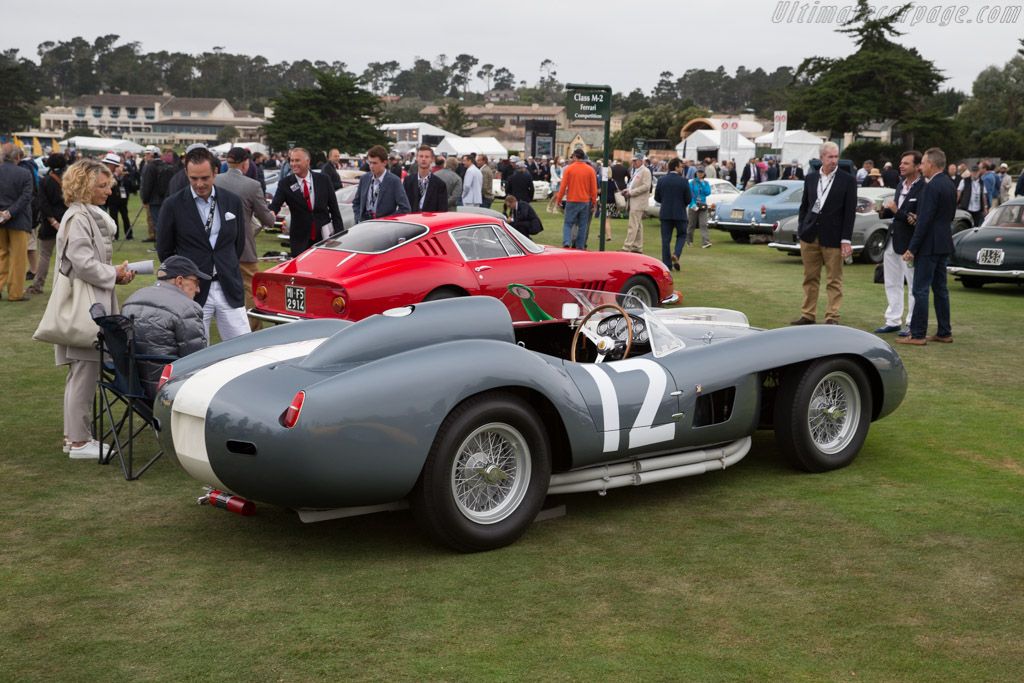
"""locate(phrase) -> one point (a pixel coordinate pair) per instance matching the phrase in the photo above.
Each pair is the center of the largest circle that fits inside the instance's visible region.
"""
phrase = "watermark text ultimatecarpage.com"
(787, 12)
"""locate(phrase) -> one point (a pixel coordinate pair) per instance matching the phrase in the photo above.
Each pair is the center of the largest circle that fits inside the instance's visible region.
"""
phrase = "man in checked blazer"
(302, 190)
(827, 212)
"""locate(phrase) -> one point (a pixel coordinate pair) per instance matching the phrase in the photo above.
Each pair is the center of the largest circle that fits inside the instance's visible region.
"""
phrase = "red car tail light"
(164, 376)
(764, 209)
(261, 293)
(291, 415)
(775, 226)
(339, 304)
(712, 208)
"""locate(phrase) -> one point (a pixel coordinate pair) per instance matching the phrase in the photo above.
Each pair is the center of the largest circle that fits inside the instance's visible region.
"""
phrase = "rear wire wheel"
(486, 475)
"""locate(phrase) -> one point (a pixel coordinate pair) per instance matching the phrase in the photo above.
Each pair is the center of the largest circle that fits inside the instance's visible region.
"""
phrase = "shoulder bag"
(67, 320)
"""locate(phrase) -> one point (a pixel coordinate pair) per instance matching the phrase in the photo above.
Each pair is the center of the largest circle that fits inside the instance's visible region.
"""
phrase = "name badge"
(295, 187)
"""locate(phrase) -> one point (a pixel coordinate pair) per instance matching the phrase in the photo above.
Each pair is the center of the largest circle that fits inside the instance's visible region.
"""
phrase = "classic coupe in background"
(471, 411)
(399, 260)
(756, 211)
(869, 232)
(993, 252)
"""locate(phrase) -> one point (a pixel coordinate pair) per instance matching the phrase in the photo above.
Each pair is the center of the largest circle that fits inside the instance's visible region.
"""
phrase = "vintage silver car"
(473, 410)
(869, 231)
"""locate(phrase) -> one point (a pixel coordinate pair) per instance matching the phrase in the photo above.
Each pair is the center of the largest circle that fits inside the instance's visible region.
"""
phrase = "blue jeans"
(930, 271)
(666, 238)
(154, 213)
(578, 214)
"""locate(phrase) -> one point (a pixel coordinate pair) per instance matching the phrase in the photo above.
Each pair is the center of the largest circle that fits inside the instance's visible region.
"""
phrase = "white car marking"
(188, 414)
(642, 433)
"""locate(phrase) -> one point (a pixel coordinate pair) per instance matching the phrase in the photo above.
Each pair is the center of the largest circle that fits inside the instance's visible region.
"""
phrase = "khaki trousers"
(635, 234)
(250, 268)
(43, 264)
(13, 261)
(149, 223)
(814, 256)
(79, 390)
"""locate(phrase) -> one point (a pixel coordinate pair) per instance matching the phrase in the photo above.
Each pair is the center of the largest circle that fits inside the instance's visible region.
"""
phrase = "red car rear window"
(375, 237)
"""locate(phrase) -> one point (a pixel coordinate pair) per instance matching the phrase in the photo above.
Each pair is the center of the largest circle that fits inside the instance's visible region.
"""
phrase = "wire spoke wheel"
(834, 412)
(490, 473)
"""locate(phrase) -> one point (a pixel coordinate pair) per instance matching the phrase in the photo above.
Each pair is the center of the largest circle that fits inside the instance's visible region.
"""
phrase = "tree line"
(881, 80)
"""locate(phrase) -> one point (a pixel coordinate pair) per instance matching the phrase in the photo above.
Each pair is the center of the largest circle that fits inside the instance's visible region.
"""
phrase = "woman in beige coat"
(88, 233)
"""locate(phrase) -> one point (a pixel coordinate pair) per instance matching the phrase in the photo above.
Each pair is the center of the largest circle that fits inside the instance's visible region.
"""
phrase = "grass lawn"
(907, 565)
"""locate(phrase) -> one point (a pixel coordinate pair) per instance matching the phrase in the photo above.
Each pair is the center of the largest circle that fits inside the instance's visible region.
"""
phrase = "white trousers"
(231, 322)
(896, 273)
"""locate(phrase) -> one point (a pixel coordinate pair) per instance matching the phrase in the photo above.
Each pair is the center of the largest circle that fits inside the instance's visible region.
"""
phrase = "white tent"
(253, 147)
(798, 144)
(82, 142)
(706, 143)
(453, 144)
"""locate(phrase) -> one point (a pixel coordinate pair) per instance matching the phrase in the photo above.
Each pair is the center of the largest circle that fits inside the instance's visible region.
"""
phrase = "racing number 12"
(643, 431)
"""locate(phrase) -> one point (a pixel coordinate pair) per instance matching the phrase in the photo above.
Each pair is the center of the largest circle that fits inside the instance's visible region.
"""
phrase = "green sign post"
(593, 103)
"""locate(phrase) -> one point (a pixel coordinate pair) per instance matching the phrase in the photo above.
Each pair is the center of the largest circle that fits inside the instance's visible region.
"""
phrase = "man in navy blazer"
(827, 212)
(435, 198)
(930, 248)
(903, 211)
(380, 193)
(302, 190)
(205, 224)
(673, 193)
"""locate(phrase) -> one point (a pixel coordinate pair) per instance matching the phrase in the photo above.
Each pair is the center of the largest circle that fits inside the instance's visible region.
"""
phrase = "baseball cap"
(197, 145)
(173, 266)
(238, 154)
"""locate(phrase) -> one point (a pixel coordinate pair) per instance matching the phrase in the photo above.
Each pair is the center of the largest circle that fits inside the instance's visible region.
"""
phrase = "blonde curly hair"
(80, 179)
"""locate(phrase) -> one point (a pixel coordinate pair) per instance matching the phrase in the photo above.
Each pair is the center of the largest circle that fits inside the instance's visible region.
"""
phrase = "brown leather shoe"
(831, 322)
(941, 340)
(912, 341)
(802, 321)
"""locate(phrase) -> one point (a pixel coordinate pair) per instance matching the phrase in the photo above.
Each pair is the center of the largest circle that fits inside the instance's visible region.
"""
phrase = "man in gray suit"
(16, 186)
(253, 204)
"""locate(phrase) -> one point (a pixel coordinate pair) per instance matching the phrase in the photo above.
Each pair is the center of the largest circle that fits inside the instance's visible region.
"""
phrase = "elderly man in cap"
(637, 191)
(167, 320)
(254, 204)
(793, 171)
(1005, 183)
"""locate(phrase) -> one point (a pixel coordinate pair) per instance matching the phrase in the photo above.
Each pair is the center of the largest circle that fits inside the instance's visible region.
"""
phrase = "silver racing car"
(472, 410)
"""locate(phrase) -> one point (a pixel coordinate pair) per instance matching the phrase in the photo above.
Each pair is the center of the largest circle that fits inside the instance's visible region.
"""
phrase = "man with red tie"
(312, 202)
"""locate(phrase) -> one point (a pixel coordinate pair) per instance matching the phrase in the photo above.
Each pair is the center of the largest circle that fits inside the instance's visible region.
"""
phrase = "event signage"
(729, 141)
(588, 105)
(779, 132)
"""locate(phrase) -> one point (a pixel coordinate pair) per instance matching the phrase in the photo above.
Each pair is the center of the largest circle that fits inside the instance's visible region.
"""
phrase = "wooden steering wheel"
(599, 341)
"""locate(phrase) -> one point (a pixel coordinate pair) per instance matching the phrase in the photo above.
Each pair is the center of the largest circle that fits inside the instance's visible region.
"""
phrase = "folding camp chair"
(119, 385)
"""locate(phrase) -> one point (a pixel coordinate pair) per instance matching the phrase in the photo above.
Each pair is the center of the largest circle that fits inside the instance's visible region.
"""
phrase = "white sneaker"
(67, 445)
(90, 450)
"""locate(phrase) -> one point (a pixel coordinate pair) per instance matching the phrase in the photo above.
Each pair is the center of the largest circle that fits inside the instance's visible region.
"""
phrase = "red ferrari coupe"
(401, 260)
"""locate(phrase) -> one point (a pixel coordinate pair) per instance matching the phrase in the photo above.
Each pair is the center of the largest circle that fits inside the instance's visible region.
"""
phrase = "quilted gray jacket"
(167, 323)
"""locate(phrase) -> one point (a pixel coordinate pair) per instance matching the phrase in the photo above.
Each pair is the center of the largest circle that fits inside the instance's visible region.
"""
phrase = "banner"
(779, 132)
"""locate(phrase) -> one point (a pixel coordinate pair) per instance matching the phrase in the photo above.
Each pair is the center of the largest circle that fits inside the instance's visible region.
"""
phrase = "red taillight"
(164, 376)
(764, 209)
(261, 293)
(291, 416)
(775, 226)
(712, 208)
(339, 304)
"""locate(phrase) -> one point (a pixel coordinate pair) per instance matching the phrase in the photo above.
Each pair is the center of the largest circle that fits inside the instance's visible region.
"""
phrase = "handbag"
(879, 274)
(67, 320)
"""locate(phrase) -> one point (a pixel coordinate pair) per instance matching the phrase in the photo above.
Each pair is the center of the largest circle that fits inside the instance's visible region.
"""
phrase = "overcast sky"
(649, 36)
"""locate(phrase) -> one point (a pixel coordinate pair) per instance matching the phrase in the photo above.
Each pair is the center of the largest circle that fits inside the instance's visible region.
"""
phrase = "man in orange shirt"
(579, 188)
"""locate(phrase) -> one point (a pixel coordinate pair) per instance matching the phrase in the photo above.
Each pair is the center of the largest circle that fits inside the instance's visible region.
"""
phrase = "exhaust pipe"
(638, 472)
